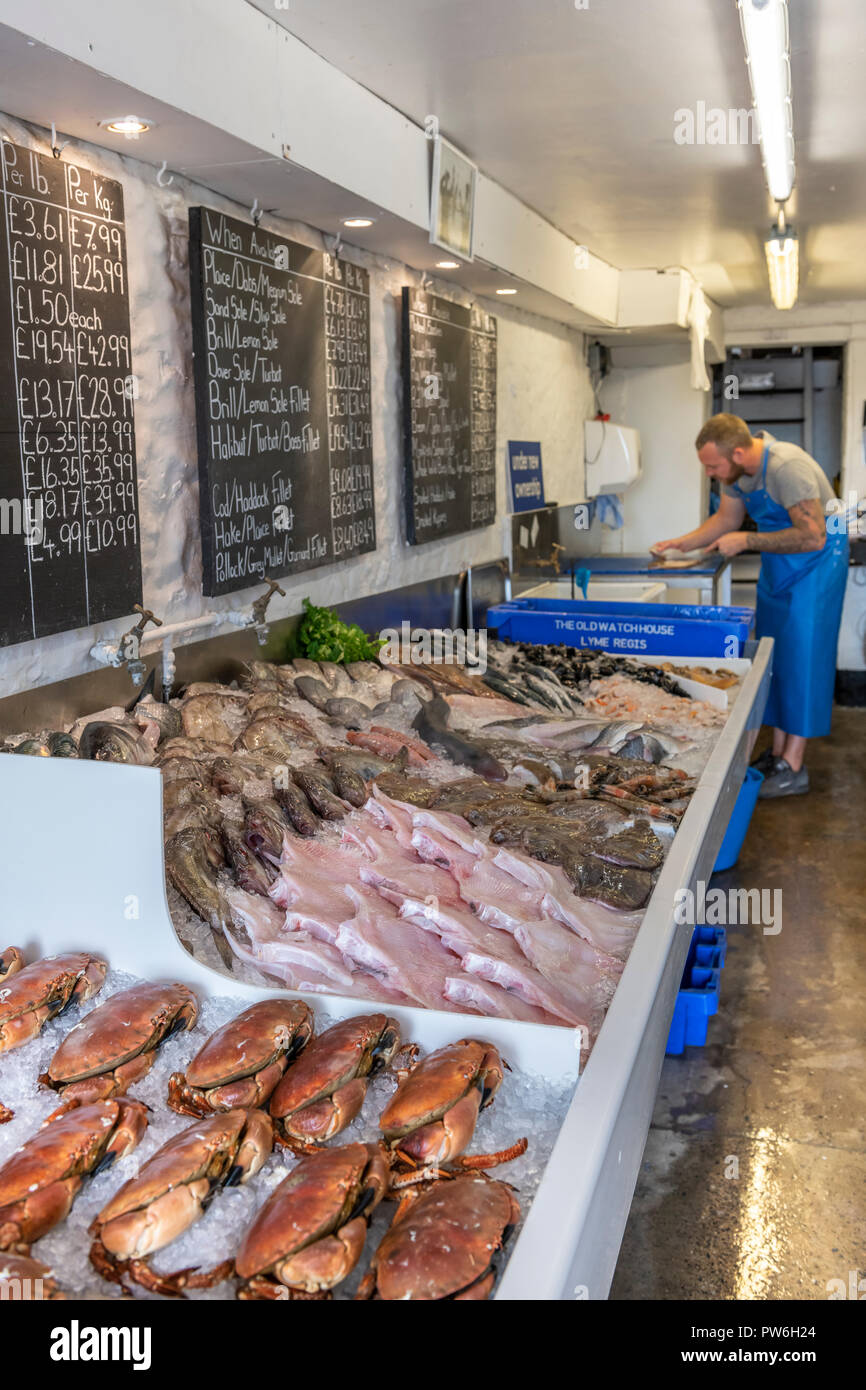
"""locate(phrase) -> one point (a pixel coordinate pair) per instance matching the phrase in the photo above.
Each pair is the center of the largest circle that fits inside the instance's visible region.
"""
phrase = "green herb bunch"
(323, 636)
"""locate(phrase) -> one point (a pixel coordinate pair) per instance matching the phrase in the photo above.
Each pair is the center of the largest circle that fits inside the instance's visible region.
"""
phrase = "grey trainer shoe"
(765, 763)
(782, 780)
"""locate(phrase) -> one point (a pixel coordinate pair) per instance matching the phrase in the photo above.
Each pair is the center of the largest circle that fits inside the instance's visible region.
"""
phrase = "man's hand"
(731, 544)
(659, 546)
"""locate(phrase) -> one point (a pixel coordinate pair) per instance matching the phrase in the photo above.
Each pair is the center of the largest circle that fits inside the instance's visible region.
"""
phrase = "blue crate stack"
(698, 998)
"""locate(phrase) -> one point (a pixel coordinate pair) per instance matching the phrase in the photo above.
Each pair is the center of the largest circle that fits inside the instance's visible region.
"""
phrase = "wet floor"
(753, 1182)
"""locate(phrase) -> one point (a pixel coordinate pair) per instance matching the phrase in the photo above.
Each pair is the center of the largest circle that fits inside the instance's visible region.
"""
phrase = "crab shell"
(310, 1233)
(442, 1245)
(28, 1280)
(324, 1090)
(32, 995)
(115, 1045)
(241, 1063)
(171, 1190)
(39, 1183)
(432, 1114)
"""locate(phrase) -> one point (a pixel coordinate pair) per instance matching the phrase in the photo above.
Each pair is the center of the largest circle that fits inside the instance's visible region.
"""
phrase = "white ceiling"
(573, 111)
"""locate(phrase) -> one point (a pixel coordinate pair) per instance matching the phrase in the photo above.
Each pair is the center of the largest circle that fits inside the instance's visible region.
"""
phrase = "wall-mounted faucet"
(126, 651)
(256, 617)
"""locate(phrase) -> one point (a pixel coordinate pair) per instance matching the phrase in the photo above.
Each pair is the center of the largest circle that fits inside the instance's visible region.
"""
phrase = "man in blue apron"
(802, 583)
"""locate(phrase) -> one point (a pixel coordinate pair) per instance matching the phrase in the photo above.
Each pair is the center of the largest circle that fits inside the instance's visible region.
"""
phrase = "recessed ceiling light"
(448, 265)
(130, 126)
(506, 291)
(357, 221)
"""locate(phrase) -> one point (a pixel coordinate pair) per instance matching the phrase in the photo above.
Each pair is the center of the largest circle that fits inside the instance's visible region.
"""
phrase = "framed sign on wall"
(452, 200)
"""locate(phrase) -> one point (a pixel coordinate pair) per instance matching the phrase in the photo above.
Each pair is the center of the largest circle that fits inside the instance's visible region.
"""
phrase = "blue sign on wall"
(527, 479)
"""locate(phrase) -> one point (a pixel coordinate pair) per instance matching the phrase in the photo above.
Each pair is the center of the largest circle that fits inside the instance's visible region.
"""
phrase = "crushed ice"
(526, 1104)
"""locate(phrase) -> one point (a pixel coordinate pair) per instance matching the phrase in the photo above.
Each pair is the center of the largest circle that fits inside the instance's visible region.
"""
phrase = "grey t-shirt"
(792, 475)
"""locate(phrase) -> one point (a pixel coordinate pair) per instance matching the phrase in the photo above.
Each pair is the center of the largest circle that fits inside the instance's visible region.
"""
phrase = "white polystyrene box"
(612, 454)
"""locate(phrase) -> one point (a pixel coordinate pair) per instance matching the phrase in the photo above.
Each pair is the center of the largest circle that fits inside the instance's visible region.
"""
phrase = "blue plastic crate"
(738, 825)
(636, 629)
(698, 998)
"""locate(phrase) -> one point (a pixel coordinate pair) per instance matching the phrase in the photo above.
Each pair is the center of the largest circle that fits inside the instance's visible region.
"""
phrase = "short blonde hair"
(727, 432)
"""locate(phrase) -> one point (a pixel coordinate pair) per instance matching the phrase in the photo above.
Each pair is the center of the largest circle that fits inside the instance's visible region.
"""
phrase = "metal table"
(711, 577)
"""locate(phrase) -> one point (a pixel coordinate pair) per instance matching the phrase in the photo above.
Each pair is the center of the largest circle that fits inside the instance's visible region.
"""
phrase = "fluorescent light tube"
(783, 267)
(765, 34)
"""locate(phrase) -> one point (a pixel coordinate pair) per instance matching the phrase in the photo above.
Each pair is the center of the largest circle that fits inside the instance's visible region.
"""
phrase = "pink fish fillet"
(393, 815)
(610, 931)
(393, 870)
(311, 896)
(498, 898)
(334, 860)
(451, 827)
(485, 998)
(494, 955)
(570, 965)
(295, 957)
(433, 848)
(407, 957)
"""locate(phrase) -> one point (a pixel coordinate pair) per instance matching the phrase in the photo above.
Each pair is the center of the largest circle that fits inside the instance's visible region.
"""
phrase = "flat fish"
(302, 666)
(348, 711)
(314, 690)
(209, 717)
(278, 737)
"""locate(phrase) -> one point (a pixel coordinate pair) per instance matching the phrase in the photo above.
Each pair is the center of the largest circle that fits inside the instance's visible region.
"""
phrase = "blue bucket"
(739, 822)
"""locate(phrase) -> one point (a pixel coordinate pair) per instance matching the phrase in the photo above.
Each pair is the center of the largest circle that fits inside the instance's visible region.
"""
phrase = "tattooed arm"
(807, 532)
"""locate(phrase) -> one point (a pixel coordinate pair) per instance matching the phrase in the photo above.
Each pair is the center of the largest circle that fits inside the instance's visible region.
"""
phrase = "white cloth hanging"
(698, 320)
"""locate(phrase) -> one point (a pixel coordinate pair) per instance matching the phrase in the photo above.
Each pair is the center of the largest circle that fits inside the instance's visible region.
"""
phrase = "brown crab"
(31, 995)
(443, 1241)
(40, 992)
(116, 1044)
(431, 1117)
(310, 1233)
(324, 1090)
(169, 1194)
(39, 1183)
(11, 961)
(27, 1280)
(241, 1063)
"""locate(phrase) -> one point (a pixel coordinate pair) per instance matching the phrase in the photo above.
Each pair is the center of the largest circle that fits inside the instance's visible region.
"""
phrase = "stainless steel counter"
(570, 1242)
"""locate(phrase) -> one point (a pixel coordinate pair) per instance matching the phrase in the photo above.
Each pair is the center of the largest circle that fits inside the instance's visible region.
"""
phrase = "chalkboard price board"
(281, 336)
(449, 416)
(69, 530)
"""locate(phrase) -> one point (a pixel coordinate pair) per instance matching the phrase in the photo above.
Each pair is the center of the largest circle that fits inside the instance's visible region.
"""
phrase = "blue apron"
(799, 605)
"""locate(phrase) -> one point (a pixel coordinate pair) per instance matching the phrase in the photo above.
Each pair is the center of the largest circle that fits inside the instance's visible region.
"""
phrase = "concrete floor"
(753, 1182)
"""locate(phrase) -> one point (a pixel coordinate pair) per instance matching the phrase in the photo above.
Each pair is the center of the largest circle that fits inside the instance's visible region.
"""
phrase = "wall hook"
(426, 280)
(160, 176)
(338, 242)
(56, 149)
(256, 212)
